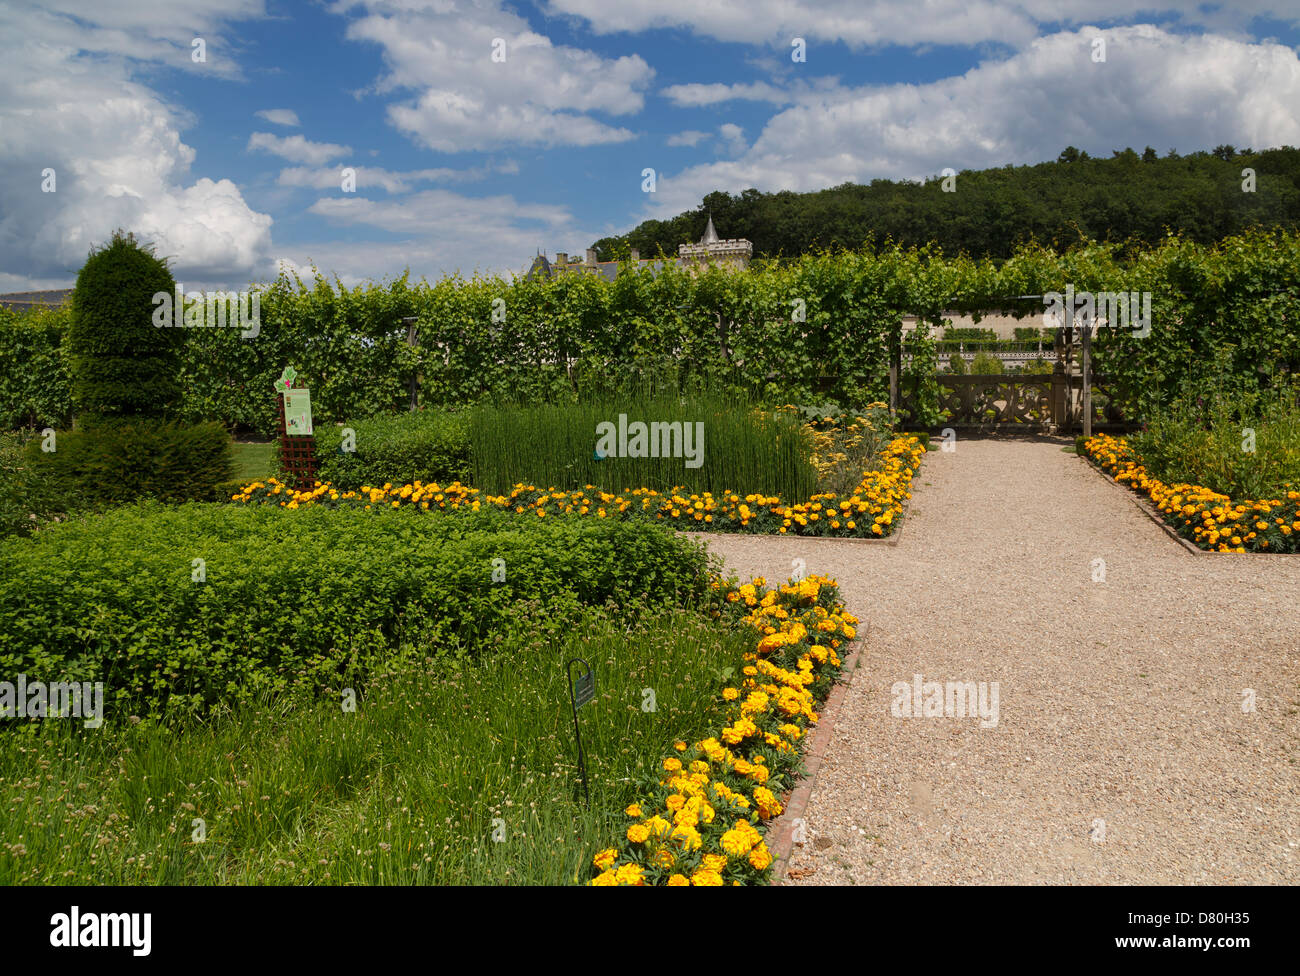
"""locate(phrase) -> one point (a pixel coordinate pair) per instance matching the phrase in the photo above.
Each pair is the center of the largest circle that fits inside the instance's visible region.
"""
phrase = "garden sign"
(297, 442)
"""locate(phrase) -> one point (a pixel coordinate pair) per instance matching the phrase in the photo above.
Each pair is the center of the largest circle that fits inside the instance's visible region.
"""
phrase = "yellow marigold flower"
(706, 879)
(638, 833)
(672, 764)
(634, 810)
(631, 874)
(760, 857)
(606, 879)
(605, 858)
(678, 881)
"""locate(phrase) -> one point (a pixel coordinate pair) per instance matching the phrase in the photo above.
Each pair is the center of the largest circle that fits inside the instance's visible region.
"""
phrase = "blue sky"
(233, 165)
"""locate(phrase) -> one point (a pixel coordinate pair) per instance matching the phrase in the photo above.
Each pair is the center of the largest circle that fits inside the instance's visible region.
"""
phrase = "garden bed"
(703, 820)
(1210, 521)
(870, 510)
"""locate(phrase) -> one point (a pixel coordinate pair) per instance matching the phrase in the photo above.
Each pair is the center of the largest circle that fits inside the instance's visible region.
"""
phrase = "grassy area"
(254, 461)
(410, 788)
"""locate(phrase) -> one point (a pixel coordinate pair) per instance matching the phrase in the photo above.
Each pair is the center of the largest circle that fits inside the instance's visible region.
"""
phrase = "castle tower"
(733, 252)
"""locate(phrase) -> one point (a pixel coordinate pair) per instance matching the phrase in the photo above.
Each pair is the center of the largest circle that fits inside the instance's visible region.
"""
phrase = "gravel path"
(1122, 753)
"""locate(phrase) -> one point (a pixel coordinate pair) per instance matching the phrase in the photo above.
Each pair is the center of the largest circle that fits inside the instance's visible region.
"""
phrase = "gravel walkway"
(1122, 753)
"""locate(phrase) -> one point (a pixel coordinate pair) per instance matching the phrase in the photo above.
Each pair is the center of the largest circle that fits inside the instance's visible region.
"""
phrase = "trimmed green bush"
(122, 365)
(427, 445)
(289, 598)
(112, 463)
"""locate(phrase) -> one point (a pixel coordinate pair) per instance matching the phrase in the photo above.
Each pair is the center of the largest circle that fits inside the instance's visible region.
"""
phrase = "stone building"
(710, 249)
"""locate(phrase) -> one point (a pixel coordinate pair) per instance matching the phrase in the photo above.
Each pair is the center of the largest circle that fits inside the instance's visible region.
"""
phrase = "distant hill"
(1129, 195)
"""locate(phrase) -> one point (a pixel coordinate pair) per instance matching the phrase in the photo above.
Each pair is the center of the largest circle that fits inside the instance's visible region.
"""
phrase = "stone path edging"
(1144, 504)
(780, 833)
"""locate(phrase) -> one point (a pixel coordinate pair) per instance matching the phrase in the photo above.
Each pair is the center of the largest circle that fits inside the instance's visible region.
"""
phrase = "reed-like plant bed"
(700, 444)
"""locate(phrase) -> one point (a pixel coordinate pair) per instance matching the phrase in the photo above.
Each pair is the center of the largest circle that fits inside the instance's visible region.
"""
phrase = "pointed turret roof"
(710, 235)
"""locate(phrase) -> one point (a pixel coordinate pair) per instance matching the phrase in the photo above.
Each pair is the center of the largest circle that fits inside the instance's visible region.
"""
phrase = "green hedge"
(35, 389)
(427, 445)
(294, 597)
(27, 500)
(123, 461)
(815, 328)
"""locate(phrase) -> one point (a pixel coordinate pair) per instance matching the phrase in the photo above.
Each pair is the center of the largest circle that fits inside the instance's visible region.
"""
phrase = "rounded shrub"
(122, 365)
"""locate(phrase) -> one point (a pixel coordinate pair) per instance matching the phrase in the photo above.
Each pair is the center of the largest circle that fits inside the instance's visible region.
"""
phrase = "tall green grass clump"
(742, 448)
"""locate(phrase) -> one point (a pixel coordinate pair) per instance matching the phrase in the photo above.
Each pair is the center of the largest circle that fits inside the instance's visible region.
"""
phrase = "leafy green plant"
(431, 446)
(27, 500)
(407, 789)
(186, 607)
(1224, 435)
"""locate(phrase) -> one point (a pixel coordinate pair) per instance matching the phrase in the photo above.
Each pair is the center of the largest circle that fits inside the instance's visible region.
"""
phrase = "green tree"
(122, 365)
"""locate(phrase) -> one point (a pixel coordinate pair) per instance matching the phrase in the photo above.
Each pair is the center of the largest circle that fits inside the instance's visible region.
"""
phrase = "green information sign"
(297, 412)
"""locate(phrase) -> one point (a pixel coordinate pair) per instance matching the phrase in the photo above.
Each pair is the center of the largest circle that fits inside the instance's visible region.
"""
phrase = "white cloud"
(883, 22)
(330, 177)
(445, 233)
(695, 95)
(68, 103)
(279, 116)
(297, 149)
(691, 137)
(1155, 88)
(541, 94)
(733, 138)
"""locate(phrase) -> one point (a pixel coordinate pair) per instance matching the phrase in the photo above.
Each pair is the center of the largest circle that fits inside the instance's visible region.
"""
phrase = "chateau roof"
(29, 299)
(710, 235)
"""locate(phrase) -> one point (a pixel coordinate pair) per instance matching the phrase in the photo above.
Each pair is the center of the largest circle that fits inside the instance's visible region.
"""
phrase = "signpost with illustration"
(297, 442)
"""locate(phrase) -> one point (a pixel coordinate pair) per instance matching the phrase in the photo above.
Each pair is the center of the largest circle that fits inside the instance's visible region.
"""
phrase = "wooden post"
(410, 341)
(1086, 363)
(895, 368)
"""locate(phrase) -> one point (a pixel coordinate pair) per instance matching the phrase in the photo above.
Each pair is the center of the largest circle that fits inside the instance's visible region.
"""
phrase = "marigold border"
(797, 801)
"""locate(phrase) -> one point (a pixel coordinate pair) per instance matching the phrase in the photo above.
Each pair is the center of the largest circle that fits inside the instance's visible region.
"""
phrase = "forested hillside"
(992, 210)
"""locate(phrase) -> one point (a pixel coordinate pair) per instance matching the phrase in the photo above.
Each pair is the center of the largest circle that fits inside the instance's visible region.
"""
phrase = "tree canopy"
(1077, 196)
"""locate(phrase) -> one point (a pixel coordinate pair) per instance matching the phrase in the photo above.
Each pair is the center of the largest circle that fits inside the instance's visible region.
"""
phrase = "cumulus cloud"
(279, 116)
(1155, 88)
(367, 177)
(733, 138)
(481, 78)
(696, 95)
(68, 103)
(297, 149)
(883, 22)
(444, 232)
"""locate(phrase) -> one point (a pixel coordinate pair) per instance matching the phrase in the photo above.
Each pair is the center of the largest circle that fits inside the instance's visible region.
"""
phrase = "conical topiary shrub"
(122, 365)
